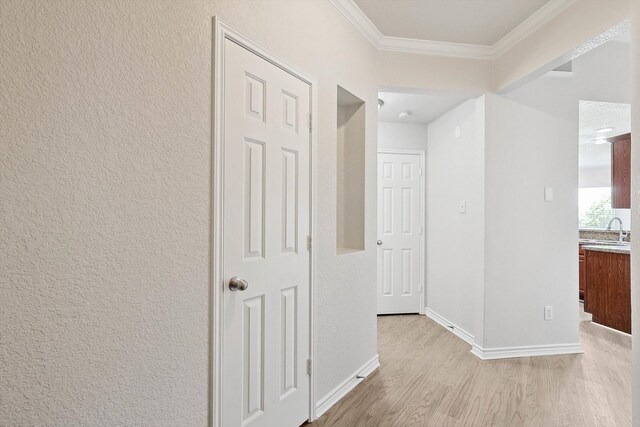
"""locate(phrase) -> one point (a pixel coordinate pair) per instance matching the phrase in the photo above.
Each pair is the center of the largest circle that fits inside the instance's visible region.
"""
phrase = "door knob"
(238, 284)
(379, 242)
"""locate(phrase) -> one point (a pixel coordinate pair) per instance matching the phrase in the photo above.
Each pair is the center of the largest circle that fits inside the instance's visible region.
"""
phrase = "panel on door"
(399, 233)
(266, 224)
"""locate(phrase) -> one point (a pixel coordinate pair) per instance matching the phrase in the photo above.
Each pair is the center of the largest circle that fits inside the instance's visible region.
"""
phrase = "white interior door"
(266, 224)
(399, 233)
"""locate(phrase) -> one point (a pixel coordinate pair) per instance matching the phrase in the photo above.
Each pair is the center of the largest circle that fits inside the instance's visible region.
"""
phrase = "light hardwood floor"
(428, 377)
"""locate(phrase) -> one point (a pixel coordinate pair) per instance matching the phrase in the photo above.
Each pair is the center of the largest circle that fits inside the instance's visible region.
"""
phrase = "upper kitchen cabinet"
(621, 171)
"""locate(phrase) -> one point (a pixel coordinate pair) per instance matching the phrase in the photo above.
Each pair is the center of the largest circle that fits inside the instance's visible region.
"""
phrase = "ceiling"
(478, 22)
(424, 107)
(597, 115)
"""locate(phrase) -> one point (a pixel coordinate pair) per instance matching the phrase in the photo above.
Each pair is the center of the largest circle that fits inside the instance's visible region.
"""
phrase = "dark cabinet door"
(608, 289)
(582, 272)
(621, 171)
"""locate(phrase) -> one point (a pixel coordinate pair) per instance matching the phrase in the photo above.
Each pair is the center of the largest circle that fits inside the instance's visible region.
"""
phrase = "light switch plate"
(457, 132)
(462, 208)
(548, 194)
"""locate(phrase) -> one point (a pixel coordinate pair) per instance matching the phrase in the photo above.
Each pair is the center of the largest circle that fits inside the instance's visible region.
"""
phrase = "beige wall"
(350, 178)
(105, 186)
(455, 172)
(105, 143)
(405, 70)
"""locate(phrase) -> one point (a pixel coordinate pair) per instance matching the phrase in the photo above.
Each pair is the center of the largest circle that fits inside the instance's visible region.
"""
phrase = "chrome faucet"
(621, 234)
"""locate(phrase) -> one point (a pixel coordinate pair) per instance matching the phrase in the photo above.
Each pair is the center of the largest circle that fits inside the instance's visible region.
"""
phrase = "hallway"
(428, 377)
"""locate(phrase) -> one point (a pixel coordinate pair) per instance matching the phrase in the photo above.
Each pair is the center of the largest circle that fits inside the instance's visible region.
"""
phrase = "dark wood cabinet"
(582, 273)
(608, 289)
(621, 171)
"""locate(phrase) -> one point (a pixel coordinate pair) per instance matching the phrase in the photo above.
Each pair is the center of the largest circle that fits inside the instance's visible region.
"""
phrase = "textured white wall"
(104, 180)
(408, 136)
(531, 245)
(455, 242)
(532, 143)
(635, 202)
(603, 74)
(558, 38)
(105, 187)
(105, 130)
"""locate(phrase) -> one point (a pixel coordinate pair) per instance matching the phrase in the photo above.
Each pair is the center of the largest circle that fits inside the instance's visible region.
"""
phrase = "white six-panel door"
(399, 233)
(266, 223)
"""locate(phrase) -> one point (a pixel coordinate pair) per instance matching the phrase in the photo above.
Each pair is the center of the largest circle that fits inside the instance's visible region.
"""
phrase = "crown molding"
(352, 12)
(530, 25)
(533, 23)
(432, 47)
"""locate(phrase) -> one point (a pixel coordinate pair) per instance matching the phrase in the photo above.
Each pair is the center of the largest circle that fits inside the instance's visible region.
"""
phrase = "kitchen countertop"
(616, 249)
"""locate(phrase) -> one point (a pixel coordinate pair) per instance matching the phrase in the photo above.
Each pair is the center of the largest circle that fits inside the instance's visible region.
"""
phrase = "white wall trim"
(459, 50)
(359, 20)
(526, 351)
(432, 47)
(610, 329)
(346, 386)
(456, 330)
(221, 32)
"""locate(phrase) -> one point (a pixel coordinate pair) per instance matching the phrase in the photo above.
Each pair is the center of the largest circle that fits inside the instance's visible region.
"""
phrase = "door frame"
(423, 217)
(222, 32)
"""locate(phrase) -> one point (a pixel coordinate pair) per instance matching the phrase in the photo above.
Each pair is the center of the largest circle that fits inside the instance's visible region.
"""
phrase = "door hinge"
(309, 365)
(310, 121)
(309, 243)
(420, 172)
(420, 230)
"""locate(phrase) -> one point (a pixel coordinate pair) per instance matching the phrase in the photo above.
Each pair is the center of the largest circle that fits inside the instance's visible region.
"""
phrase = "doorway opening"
(583, 116)
(407, 119)
(604, 212)
(262, 216)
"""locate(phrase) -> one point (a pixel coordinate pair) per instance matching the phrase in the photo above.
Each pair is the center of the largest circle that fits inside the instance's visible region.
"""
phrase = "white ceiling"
(597, 115)
(424, 107)
(479, 22)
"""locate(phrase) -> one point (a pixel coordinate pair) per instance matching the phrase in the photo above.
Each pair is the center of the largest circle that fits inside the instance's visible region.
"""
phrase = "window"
(594, 207)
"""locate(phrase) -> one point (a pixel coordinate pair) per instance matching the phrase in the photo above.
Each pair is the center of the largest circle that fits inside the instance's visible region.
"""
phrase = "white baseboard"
(457, 331)
(611, 329)
(526, 351)
(346, 386)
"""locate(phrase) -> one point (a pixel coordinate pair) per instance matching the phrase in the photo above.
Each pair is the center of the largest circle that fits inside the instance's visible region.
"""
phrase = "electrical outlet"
(548, 312)
(548, 194)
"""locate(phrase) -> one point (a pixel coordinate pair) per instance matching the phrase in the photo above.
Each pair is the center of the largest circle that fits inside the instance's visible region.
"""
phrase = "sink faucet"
(621, 234)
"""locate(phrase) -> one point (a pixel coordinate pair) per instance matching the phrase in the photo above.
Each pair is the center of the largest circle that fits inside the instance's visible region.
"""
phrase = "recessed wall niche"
(350, 172)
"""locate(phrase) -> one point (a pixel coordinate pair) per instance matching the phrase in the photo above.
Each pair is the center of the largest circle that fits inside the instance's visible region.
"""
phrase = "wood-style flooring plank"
(428, 377)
